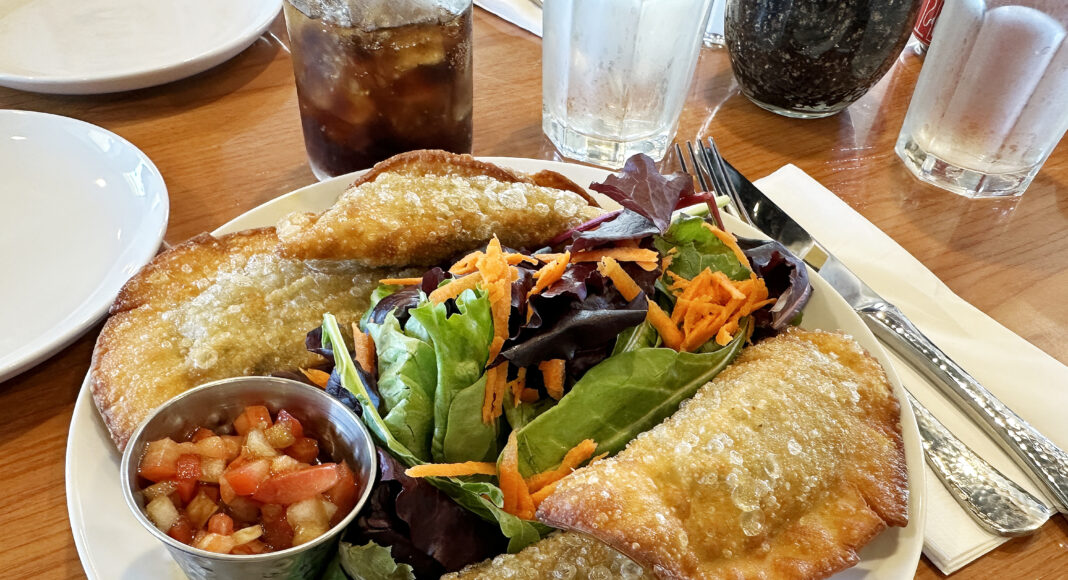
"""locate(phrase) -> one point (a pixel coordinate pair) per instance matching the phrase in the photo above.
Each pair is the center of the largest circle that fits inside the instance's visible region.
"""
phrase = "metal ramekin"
(341, 435)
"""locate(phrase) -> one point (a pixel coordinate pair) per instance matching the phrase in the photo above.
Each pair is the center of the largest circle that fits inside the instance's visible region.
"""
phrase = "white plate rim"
(51, 340)
(900, 563)
(149, 75)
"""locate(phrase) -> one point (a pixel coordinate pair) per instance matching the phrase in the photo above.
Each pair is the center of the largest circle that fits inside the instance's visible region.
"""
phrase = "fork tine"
(724, 186)
(680, 157)
(697, 168)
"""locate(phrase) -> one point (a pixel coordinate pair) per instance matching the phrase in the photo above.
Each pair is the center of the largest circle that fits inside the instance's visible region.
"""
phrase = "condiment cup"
(341, 435)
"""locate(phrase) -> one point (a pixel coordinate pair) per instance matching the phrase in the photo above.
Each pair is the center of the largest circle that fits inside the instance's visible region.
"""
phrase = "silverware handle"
(994, 501)
(1047, 462)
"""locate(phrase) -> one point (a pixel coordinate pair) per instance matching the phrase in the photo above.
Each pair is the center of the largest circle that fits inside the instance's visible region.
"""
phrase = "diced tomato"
(343, 493)
(160, 460)
(233, 446)
(253, 417)
(277, 533)
(289, 420)
(246, 479)
(187, 467)
(201, 433)
(186, 490)
(305, 450)
(295, 486)
(221, 524)
(182, 530)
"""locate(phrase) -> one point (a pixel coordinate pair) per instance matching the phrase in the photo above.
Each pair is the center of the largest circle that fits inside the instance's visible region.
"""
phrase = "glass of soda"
(380, 77)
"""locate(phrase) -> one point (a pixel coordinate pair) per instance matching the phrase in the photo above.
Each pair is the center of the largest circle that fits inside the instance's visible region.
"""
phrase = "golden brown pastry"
(422, 207)
(784, 466)
(213, 308)
(561, 555)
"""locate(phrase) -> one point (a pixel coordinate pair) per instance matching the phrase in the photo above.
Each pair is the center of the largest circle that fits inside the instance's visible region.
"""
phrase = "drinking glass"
(714, 29)
(991, 101)
(813, 58)
(615, 74)
(380, 77)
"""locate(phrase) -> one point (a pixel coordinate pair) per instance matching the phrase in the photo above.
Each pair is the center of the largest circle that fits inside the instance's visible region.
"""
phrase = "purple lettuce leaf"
(640, 188)
(786, 278)
(627, 225)
(591, 324)
(423, 527)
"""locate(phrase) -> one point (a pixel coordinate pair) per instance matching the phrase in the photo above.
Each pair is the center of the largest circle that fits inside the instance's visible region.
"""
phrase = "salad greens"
(623, 396)
(696, 248)
(484, 499)
(461, 347)
(427, 401)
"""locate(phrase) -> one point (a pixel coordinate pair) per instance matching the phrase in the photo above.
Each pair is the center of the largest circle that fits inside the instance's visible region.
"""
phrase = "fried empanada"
(784, 466)
(422, 207)
(213, 308)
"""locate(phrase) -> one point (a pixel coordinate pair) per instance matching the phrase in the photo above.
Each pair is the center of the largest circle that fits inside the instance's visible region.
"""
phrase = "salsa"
(251, 487)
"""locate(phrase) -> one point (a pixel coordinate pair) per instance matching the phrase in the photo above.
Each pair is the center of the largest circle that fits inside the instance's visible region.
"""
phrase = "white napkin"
(523, 13)
(1029, 381)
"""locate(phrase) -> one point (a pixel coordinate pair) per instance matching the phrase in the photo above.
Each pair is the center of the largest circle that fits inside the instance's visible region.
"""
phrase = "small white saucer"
(103, 46)
(81, 210)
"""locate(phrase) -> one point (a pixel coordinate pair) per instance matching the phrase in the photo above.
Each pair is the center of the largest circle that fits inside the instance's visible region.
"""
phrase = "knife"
(1029, 448)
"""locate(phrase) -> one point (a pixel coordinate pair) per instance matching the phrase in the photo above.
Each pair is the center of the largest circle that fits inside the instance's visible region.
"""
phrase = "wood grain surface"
(229, 139)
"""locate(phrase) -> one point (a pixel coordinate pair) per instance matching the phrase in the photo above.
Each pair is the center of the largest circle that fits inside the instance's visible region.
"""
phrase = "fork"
(996, 502)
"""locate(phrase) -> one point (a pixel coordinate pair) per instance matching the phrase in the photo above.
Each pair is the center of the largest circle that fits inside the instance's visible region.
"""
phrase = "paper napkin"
(1026, 379)
(523, 13)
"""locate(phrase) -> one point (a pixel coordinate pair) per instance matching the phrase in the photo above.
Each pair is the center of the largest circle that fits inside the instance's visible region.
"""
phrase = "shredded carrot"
(573, 459)
(497, 278)
(401, 281)
(529, 395)
(552, 372)
(620, 254)
(728, 240)
(467, 264)
(518, 385)
(454, 288)
(317, 377)
(540, 495)
(663, 324)
(550, 273)
(547, 257)
(452, 469)
(493, 399)
(517, 499)
(364, 346)
(626, 285)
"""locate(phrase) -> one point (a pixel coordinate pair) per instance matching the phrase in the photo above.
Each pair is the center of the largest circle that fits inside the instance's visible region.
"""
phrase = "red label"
(925, 23)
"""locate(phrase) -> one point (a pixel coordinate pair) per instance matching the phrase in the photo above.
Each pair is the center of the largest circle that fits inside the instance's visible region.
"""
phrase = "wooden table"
(228, 140)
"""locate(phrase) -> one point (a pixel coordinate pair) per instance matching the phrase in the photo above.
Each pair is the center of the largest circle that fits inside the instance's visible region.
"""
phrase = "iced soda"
(379, 78)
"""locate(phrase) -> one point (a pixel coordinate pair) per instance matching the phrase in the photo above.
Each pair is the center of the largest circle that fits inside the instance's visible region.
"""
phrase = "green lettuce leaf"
(407, 376)
(482, 498)
(619, 398)
(697, 249)
(372, 562)
(635, 337)
(461, 347)
(467, 438)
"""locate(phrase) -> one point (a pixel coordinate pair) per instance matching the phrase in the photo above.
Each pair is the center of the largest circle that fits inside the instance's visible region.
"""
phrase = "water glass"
(615, 74)
(991, 101)
(714, 29)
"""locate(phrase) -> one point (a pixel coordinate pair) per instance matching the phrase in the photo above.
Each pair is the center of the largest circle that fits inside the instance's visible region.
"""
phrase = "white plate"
(112, 543)
(87, 47)
(83, 210)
